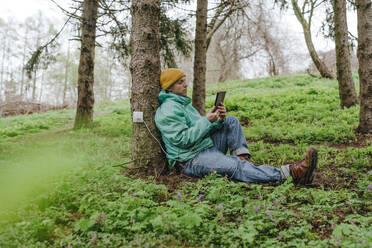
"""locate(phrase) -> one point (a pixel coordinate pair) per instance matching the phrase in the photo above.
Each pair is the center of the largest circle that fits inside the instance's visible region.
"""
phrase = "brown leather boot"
(302, 172)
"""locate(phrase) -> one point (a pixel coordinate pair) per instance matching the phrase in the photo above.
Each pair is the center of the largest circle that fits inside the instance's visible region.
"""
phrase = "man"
(199, 144)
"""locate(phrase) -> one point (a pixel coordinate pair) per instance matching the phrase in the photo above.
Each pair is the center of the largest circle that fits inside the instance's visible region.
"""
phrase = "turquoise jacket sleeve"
(217, 124)
(173, 126)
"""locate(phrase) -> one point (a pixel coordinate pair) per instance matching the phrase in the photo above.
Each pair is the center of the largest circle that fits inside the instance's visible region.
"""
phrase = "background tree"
(204, 32)
(173, 37)
(37, 41)
(26, 26)
(272, 41)
(112, 30)
(308, 7)
(364, 12)
(226, 49)
(17, 40)
(8, 56)
(3, 48)
(67, 71)
(200, 57)
(251, 40)
(145, 70)
(235, 41)
(346, 85)
(84, 110)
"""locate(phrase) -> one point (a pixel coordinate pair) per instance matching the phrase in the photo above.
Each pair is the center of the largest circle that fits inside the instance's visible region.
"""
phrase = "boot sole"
(314, 160)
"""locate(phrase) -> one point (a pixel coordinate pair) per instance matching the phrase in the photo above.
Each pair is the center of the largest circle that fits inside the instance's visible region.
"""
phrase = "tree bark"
(41, 86)
(364, 12)
(36, 69)
(145, 71)
(2, 71)
(23, 61)
(66, 74)
(85, 103)
(322, 68)
(34, 86)
(200, 57)
(346, 85)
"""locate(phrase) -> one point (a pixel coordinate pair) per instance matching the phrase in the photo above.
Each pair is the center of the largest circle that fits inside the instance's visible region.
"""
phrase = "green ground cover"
(59, 188)
(26, 124)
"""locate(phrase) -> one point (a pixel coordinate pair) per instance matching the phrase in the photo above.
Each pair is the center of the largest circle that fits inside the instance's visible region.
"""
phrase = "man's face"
(179, 87)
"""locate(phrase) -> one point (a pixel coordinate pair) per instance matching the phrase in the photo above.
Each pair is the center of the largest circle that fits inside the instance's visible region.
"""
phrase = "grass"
(26, 124)
(58, 188)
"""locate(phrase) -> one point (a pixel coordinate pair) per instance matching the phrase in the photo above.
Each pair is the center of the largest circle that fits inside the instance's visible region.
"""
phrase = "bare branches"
(217, 14)
(312, 8)
(33, 62)
(223, 11)
(299, 13)
(35, 58)
(324, 71)
(68, 13)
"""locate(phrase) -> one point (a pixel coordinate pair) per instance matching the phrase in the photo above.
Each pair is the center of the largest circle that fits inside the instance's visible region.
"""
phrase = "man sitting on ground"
(198, 144)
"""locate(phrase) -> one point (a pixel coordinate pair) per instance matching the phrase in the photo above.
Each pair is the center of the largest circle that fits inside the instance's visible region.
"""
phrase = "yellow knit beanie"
(169, 77)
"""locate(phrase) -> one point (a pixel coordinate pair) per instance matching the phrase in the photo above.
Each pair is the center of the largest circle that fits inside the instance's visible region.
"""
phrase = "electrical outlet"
(137, 116)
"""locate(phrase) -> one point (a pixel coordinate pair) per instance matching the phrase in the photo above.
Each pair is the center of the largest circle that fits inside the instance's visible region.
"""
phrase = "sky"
(20, 9)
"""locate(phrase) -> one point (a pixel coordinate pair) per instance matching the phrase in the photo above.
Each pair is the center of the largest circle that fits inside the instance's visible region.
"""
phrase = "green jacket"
(184, 131)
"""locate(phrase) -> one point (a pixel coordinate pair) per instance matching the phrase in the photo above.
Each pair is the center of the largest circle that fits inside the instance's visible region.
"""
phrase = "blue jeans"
(214, 159)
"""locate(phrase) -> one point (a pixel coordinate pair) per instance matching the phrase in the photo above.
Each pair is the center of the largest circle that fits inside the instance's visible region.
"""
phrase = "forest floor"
(63, 188)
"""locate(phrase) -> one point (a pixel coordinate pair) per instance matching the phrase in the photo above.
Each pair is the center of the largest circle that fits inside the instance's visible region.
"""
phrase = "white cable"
(154, 137)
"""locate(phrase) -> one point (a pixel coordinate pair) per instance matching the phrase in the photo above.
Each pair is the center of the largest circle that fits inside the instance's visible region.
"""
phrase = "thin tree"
(67, 62)
(203, 34)
(231, 44)
(306, 26)
(25, 44)
(346, 86)
(200, 57)
(222, 12)
(34, 78)
(5, 49)
(364, 12)
(85, 103)
(272, 43)
(145, 71)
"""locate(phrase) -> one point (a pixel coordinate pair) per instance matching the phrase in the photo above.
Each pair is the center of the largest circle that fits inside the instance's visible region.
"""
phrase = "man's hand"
(221, 110)
(212, 115)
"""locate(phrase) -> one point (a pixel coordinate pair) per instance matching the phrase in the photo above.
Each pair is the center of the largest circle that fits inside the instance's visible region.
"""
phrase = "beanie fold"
(169, 77)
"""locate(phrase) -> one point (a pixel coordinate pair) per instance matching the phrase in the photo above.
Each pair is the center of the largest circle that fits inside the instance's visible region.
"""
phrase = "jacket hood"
(166, 95)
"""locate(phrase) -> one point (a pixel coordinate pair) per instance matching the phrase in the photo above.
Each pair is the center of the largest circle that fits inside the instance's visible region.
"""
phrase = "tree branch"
(213, 27)
(30, 65)
(69, 14)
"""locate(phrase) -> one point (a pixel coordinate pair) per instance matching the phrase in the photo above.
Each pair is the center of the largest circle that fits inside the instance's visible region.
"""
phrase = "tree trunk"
(224, 63)
(110, 64)
(346, 86)
(66, 74)
(41, 86)
(23, 62)
(85, 103)
(322, 68)
(34, 86)
(200, 58)
(36, 69)
(2, 72)
(364, 10)
(145, 71)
